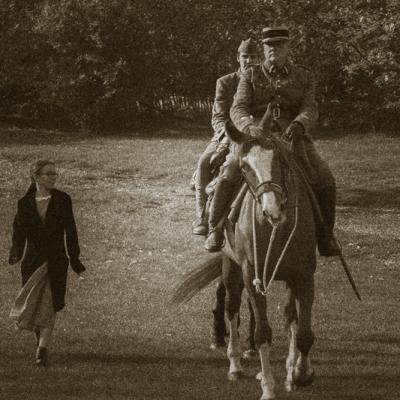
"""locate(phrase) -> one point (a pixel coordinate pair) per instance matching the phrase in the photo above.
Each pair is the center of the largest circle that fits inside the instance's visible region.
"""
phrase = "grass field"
(119, 339)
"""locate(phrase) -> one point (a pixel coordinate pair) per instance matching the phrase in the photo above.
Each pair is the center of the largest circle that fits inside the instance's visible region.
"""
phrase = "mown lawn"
(119, 339)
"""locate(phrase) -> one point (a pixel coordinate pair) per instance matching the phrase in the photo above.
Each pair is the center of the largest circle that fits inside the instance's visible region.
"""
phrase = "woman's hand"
(77, 266)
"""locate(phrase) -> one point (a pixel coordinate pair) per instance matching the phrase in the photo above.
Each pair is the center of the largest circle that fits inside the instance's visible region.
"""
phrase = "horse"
(274, 238)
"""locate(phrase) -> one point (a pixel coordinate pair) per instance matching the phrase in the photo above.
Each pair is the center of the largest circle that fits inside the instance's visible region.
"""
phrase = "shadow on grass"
(166, 130)
(369, 198)
(382, 339)
(348, 375)
(39, 136)
(143, 359)
(358, 386)
(340, 374)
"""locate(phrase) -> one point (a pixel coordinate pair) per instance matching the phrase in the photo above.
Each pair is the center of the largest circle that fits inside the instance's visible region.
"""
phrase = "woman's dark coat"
(45, 241)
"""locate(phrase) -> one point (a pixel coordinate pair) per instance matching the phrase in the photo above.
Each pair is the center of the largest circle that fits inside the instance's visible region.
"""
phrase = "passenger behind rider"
(217, 148)
(290, 91)
(215, 152)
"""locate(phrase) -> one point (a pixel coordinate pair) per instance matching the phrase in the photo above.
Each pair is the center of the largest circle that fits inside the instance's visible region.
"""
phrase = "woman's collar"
(40, 195)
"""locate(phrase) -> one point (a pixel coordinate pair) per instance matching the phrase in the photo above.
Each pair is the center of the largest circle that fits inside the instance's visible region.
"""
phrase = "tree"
(106, 62)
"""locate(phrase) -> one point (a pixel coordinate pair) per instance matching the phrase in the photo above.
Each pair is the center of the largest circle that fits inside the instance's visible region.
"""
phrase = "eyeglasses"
(52, 174)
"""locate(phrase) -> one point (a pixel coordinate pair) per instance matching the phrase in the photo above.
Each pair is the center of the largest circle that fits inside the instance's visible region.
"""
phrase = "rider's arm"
(308, 112)
(240, 110)
(222, 103)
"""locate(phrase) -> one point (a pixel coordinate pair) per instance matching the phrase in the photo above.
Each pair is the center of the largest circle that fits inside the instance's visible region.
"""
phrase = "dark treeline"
(102, 63)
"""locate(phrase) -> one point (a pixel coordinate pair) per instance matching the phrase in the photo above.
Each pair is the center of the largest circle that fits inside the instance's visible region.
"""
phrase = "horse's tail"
(196, 280)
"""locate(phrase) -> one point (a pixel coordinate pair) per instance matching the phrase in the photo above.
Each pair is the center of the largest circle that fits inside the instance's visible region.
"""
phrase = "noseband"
(263, 187)
(268, 186)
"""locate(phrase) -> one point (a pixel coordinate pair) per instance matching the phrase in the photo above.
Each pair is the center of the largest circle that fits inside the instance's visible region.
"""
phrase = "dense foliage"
(106, 62)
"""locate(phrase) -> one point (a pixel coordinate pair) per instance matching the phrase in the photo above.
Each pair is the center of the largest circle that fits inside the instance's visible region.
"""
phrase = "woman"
(43, 224)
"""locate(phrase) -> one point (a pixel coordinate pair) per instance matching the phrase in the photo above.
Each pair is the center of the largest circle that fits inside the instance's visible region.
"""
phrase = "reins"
(257, 282)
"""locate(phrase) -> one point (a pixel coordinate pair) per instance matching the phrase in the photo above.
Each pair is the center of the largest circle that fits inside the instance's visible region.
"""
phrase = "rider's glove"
(254, 131)
(294, 131)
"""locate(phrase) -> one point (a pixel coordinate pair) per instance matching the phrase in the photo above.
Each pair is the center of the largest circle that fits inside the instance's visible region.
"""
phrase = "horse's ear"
(233, 133)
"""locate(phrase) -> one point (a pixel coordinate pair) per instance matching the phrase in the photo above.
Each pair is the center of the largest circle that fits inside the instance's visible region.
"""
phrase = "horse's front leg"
(233, 351)
(291, 324)
(251, 351)
(263, 340)
(304, 292)
(232, 277)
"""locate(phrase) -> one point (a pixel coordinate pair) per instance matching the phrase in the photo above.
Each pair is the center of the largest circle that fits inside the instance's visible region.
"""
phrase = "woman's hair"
(37, 166)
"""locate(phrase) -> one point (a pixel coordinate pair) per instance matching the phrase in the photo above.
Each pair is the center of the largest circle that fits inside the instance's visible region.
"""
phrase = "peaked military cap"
(275, 34)
(248, 46)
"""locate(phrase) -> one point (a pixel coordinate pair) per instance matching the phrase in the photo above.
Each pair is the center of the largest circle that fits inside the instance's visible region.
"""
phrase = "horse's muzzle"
(275, 221)
(272, 207)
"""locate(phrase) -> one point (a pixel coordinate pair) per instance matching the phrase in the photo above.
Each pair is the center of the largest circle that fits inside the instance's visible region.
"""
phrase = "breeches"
(323, 174)
(230, 168)
(203, 174)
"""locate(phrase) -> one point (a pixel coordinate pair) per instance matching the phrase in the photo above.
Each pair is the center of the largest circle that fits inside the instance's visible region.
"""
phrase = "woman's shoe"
(41, 357)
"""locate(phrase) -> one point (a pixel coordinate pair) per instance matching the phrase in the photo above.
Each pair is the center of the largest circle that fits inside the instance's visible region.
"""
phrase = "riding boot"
(222, 195)
(326, 197)
(199, 227)
(219, 326)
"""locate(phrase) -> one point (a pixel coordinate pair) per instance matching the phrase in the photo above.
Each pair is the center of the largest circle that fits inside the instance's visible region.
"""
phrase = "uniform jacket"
(294, 91)
(224, 92)
(45, 241)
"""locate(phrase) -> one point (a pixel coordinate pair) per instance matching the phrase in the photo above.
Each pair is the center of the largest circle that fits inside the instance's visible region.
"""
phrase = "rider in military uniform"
(290, 89)
(225, 89)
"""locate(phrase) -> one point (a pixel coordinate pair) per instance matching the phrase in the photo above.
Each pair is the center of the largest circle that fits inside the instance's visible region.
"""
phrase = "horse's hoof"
(268, 390)
(250, 354)
(268, 397)
(290, 386)
(307, 381)
(235, 376)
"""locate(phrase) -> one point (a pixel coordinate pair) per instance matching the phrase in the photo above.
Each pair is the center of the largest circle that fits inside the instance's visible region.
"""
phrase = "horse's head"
(262, 168)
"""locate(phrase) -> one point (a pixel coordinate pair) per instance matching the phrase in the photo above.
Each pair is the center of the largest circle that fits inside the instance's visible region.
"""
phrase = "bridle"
(257, 191)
